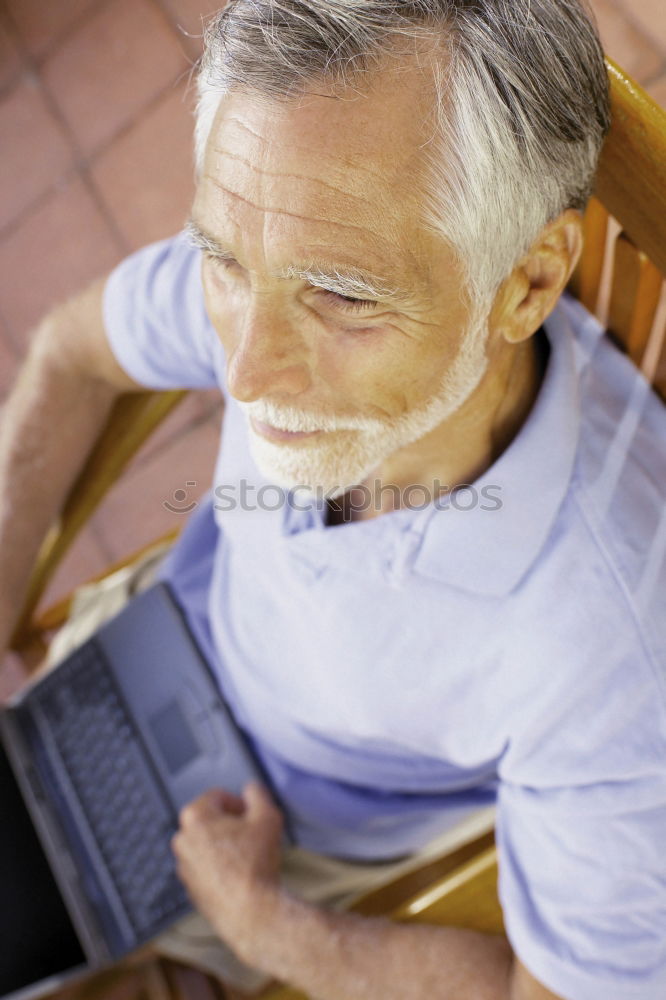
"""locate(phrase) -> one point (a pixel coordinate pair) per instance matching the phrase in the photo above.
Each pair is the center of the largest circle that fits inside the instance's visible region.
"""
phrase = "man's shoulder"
(156, 321)
(623, 420)
(620, 473)
(616, 502)
(160, 265)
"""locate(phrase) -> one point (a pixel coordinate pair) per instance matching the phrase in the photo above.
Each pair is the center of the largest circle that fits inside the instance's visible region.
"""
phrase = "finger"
(211, 803)
(259, 802)
(219, 799)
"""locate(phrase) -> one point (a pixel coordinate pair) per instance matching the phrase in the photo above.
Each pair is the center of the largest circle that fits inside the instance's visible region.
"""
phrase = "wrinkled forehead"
(354, 151)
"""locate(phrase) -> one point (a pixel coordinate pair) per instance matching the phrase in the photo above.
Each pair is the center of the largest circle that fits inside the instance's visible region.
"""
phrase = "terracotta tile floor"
(95, 119)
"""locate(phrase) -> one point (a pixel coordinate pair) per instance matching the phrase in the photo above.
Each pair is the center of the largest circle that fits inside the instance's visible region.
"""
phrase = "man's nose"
(269, 356)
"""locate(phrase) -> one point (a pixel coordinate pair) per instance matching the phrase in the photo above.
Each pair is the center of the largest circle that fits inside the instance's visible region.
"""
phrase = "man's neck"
(460, 449)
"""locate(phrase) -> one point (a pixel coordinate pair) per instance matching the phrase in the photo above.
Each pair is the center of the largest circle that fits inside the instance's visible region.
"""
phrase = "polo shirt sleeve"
(582, 880)
(156, 320)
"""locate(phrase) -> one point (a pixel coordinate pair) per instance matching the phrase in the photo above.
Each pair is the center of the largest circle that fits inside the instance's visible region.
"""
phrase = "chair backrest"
(625, 258)
(620, 277)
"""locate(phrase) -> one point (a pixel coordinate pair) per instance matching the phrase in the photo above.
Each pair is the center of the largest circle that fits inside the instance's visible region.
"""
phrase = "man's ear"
(530, 292)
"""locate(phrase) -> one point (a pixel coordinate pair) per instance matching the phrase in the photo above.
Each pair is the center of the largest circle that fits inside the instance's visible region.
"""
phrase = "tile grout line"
(178, 32)
(88, 163)
(9, 228)
(32, 65)
(38, 59)
(7, 22)
(8, 338)
(81, 164)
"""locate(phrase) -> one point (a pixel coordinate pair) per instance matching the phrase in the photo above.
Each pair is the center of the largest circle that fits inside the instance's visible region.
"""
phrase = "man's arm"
(228, 854)
(332, 956)
(55, 412)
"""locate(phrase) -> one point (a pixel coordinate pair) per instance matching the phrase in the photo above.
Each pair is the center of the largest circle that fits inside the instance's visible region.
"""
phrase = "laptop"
(97, 757)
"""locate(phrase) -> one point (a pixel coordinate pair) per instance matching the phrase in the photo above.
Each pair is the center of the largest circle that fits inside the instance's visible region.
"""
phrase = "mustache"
(287, 418)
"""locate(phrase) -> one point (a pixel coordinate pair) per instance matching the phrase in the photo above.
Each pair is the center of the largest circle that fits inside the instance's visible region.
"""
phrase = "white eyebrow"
(352, 282)
(196, 237)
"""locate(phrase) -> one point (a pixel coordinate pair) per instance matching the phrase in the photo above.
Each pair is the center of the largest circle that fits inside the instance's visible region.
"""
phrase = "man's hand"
(228, 856)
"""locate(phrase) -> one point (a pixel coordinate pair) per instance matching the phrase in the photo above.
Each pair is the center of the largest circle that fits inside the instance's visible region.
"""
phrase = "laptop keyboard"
(131, 822)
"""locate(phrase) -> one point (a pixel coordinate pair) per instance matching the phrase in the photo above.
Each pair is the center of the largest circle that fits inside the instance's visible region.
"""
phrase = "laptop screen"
(38, 939)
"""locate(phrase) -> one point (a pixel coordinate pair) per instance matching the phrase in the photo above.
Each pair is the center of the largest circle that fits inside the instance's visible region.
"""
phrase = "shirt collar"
(488, 551)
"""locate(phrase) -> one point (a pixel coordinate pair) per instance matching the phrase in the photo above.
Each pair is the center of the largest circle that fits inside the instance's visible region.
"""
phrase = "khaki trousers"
(314, 877)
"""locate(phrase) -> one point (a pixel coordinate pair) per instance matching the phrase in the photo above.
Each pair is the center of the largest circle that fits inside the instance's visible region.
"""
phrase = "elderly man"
(456, 604)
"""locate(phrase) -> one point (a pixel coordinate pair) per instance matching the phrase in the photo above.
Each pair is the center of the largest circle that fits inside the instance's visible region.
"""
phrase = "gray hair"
(521, 112)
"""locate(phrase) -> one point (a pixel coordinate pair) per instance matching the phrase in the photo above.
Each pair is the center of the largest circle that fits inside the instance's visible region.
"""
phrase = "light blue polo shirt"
(398, 673)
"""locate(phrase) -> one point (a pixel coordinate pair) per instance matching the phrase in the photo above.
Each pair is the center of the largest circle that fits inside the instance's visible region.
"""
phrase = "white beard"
(344, 456)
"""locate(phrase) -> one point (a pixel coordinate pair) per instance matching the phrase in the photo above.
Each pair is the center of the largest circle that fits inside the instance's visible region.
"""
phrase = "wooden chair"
(621, 274)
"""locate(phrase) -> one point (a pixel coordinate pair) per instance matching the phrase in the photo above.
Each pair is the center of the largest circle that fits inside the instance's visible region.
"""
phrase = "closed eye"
(348, 302)
(216, 258)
